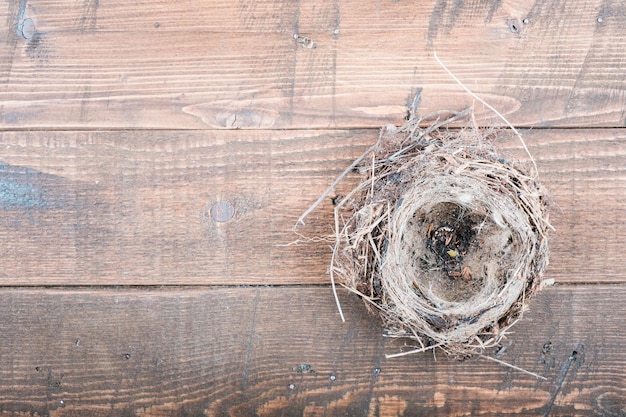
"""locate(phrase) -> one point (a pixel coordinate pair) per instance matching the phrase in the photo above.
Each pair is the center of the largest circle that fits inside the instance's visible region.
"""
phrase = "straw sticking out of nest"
(445, 239)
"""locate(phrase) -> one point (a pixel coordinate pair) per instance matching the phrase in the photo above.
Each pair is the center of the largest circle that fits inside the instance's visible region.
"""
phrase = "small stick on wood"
(334, 288)
(410, 352)
(334, 184)
(517, 368)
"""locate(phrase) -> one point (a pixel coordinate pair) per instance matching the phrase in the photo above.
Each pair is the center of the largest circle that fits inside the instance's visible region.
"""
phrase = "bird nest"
(444, 238)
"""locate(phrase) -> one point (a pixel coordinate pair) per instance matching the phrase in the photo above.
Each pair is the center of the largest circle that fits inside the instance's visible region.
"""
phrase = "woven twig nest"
(443, 237)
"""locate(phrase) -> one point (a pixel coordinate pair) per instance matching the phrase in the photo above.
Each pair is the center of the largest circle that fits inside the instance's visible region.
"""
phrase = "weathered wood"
(153, 208)
(224, 64)
(284, 351)
(87, 200)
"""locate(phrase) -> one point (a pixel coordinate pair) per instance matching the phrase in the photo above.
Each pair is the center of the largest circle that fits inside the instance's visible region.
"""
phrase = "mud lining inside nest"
(443, 237)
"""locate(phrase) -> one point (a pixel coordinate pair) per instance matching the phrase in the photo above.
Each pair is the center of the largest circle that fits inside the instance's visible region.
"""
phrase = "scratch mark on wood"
(250, 344)
(439, 21)
(233, 117)
(337, 12)
(576, 355)
(375, 373)
(494, 7)
(84, 108)
(292, 93)
(89, 16)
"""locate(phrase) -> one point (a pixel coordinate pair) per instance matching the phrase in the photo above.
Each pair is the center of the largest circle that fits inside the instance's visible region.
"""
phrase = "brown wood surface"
(154, 157)
(284, 352)
(116, 208)
(114, 64)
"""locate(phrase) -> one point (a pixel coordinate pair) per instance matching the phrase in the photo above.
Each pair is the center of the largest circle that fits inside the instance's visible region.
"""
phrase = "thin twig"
(430, 129)
(490, 107)
(410, 352)
(517, 368)
(334, 184)
(456, 116)
(305, 239)
(334, 287)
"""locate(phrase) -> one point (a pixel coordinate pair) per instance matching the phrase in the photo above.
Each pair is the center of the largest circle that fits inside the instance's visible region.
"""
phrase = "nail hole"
(305, 368)
(514, 25)
(127, 356)
(546, 348)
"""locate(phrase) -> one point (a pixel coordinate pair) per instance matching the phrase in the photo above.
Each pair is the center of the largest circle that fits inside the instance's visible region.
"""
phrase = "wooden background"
(154, 156)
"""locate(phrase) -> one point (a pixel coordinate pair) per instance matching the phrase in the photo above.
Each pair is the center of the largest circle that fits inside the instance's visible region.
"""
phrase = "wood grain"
(284, 351)
(221, 65)
(174, 145)
(138, 208)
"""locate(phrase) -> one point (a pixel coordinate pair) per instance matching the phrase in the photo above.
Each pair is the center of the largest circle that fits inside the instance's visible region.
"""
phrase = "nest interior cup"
(443, 237)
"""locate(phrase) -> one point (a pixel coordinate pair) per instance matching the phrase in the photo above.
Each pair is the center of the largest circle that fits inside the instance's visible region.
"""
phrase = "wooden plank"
(154, 208)
(572, 163)
(284, 351)
(181, 16)
(207, 64)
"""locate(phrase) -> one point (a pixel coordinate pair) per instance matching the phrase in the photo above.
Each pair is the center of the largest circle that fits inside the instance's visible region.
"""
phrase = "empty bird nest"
(444, 238)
